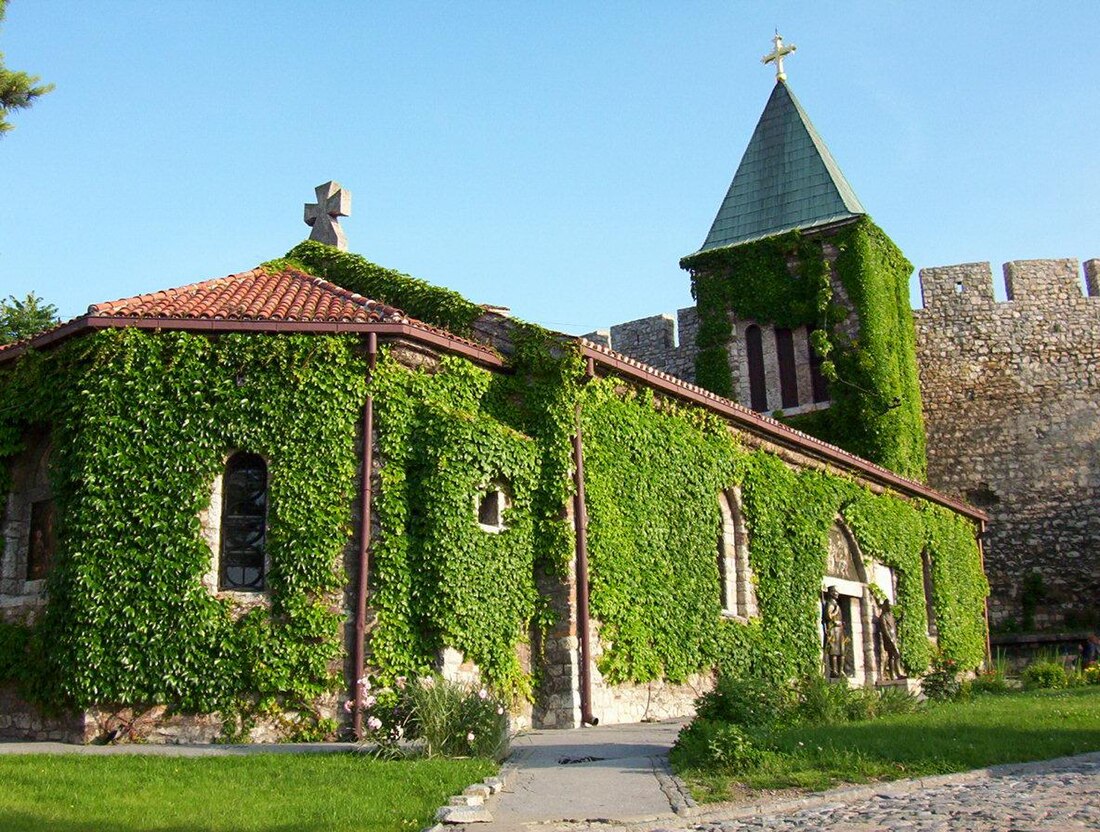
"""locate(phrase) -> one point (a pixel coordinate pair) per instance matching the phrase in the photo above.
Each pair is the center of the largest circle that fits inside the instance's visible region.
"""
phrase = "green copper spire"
(787, 179)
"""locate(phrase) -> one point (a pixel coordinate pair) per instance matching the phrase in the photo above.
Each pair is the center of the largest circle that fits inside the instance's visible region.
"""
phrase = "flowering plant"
(434, 716)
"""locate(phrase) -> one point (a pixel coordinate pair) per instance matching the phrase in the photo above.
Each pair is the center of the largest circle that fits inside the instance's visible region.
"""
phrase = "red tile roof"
(256, 301)
(256, 295)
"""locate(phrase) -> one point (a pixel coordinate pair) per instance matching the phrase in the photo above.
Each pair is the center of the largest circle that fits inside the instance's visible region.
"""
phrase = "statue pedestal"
(905, 683)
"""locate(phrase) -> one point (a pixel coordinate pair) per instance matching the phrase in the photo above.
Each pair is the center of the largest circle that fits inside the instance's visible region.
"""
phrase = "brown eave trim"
(424, 335)
(781, 434)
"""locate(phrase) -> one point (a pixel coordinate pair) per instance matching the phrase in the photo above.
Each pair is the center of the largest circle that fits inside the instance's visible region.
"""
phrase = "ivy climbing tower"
(803, 301)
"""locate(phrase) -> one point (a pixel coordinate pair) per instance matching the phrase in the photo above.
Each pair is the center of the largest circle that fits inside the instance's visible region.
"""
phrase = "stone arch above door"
(851, 575)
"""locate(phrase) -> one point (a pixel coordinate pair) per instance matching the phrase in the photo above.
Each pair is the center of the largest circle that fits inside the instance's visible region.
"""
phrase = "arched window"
(819, 383)
(491, 506)
(243, 524)
(788, 379)
(754, 353)
(42, 537)
(28, 520)
(738, 591)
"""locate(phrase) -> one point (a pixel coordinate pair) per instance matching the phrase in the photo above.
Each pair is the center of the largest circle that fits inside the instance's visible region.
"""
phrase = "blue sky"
(557, 158)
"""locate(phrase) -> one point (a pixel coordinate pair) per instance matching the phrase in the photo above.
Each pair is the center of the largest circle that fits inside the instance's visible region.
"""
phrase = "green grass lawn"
(283, 792)
(943, 738)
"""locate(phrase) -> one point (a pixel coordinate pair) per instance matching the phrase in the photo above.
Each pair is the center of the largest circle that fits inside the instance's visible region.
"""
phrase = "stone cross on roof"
(777, 55)
(323, 215)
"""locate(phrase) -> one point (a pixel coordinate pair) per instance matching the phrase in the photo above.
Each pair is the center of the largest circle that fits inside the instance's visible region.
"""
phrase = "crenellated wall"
(662, 341)
(1011, 394)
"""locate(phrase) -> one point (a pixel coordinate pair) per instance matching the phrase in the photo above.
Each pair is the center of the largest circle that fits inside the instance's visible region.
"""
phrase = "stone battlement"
(1010, 391)
(662, 341)
(1026, 282)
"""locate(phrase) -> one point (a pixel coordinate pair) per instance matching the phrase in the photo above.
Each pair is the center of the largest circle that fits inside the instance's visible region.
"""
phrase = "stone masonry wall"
(1011, 396)
(630, 702)
(661, 341)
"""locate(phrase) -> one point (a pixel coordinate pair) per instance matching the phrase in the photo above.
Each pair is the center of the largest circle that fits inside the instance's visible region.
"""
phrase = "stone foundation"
(646, 702)
(21, 721)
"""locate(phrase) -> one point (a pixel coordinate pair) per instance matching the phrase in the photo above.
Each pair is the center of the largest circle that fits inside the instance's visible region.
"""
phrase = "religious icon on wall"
(42, 541)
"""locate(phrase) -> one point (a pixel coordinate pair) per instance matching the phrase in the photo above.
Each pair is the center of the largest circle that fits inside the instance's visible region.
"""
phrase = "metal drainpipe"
(359, 648)
(580, 525)
(985, 601)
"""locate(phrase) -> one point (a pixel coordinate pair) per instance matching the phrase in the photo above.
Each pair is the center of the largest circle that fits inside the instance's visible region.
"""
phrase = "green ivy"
(432, 304)
(960, 586)
(784, 281)
(142, 423)
(653, 473)
(892, 531)
(437, 578)
(651, 486)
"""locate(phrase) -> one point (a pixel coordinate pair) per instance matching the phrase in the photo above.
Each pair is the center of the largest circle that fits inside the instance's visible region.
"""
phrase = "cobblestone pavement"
(1053, 796)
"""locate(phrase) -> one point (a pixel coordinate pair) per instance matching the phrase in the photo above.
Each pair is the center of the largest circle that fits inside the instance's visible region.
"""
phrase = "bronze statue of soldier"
(890, 661)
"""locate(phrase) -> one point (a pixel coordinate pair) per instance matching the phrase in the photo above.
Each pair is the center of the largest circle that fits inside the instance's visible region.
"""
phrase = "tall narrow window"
(738, 593)
(244, 524)
(42, 541)
(788, 380)
(818, 381)
(754, 353)
(929, 607)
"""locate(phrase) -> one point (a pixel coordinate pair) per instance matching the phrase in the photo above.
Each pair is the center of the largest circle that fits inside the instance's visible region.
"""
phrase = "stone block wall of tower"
(1011, 394)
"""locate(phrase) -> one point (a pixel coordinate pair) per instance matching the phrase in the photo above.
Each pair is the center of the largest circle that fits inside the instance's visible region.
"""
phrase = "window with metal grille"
(754, 353)
(788, 378)
(244, 524)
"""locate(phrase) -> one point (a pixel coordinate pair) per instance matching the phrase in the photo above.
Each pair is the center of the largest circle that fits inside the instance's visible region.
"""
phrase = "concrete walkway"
(617, 772)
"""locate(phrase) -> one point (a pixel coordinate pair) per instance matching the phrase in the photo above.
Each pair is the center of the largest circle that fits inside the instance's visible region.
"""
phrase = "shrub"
(821, 702)
(942, 683)
(447, 718)
(746, 702)
(1045, 674)
(708, 743)
(1091, 675)
(992, 681)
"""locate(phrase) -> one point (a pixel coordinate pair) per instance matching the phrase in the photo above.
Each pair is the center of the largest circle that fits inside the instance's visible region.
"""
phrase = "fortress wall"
(661, 341)
(1011, 396)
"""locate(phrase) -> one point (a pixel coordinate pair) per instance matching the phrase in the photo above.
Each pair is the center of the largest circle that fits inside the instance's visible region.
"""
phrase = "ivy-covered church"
(227, 502)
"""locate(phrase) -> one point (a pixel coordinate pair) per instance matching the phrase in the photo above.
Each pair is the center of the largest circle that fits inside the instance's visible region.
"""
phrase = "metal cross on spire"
(777, 55)
(323, 215)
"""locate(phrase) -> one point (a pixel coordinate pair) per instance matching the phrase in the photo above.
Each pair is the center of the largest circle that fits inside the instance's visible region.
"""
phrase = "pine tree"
(17, 89)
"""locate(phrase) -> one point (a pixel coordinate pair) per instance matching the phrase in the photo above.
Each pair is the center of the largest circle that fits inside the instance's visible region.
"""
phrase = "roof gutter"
(358, 685)
(776, 432)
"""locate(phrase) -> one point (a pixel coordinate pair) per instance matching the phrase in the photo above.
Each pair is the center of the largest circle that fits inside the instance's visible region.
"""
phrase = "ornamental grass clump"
(434, 717)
